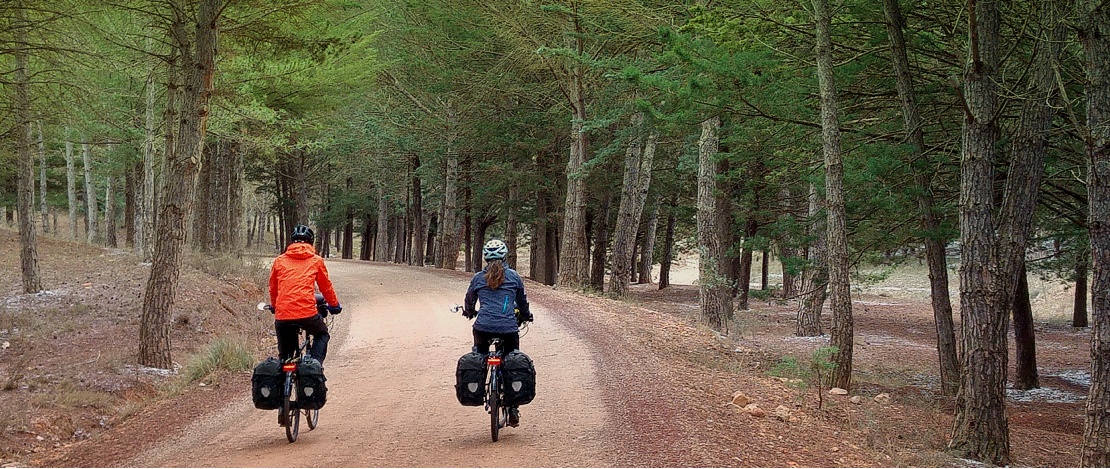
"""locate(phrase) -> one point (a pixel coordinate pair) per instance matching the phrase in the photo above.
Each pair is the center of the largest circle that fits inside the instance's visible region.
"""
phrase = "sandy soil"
(636, 382)
(391, 395)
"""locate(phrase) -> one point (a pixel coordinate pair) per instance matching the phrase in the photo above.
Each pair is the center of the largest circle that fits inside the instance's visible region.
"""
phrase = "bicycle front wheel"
(494, 404)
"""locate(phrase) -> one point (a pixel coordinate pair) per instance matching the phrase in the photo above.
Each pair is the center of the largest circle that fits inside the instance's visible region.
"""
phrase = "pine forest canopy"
(826, 135)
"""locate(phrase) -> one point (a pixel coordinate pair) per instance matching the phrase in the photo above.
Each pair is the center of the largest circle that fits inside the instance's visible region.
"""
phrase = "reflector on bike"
(495, 360)
(289, 367)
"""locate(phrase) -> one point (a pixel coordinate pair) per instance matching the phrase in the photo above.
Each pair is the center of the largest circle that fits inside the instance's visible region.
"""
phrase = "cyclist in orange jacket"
(293, 280)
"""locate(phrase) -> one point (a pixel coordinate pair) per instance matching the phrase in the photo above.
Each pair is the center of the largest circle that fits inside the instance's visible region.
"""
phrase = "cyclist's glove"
(338, 308)
(523, 317)
(469, 314)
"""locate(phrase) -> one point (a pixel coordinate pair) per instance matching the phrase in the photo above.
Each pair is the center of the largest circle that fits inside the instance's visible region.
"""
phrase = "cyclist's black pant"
(509, 341)
(287, 339)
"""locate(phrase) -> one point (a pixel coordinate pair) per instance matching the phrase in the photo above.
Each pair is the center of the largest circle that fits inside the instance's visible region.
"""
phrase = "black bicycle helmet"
(303, 234)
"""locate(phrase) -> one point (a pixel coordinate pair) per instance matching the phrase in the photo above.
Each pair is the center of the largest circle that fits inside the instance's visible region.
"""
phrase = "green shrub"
(221, 354)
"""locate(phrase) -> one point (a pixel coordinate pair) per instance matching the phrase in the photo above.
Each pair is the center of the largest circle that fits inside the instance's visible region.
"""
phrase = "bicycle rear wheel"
(494, 404)
(292, 414)
(312, 418)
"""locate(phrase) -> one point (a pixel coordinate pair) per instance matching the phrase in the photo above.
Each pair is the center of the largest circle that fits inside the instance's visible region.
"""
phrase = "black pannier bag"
(519, 378)
(312, 393)
(470, 379)
(267, 382)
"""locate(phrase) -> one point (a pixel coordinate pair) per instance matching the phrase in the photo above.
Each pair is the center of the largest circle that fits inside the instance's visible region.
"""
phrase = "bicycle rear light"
(495, 361)
(287, 367)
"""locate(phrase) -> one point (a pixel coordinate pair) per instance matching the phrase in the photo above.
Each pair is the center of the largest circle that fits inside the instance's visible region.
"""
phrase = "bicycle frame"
(498, 413)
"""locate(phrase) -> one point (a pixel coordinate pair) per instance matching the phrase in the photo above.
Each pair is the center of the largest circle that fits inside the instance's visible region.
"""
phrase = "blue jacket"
(497, 306)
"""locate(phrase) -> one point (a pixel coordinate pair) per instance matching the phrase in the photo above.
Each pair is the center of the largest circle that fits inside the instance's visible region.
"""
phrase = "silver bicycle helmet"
(494, 249)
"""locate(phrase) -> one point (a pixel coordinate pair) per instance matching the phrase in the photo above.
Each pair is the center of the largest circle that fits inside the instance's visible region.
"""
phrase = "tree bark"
(840, 294)
(110, 213)
(1025, 350)
(744, 273)
(202, 216)
(448, 228)
(232, 241)
(600, 231)
(381, 243)
(714, 298)
(144, 225)
(418, 228)
(815, 279)
(42, 182)
(28, 245)
(1095, 36)
(512, 224)
(638, 160)
(176, 203)
(993, 249)
(1079, 308)
(71, 186)
(647, 252)
(90, 195)
(668, 246)
(934, 245)
(574, 261)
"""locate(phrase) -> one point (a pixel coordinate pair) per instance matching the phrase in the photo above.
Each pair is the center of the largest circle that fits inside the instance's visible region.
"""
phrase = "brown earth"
(621, 383)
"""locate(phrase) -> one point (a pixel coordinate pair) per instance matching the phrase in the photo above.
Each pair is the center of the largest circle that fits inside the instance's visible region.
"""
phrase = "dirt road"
(391, 399)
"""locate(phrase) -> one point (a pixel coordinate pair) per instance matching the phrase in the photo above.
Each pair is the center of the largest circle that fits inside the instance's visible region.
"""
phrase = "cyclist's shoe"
(514, 417)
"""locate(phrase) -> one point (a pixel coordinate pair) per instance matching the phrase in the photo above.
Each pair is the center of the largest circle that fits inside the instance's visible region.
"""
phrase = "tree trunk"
(416, 257)
(367, 240)
(381, 242)
(815, 279)
(110, 213)
(232, 241)
(787, 251)
(668, 246)
(765, 264)
(991, 257)
(574, 261)
(1025, 349)
(840, 294)
(638, 159)
(540, 267)
(90, 194)
(714, 299)
(71, 186)
(744, 273)
(1079, 308)
(449, 229)
(981, 428)
(42, 182)
(430, 251)
(176, 203)
(28, 252)
(512, 224)
(144, 225)
(647, 252)
(1095, 37)
(600, 243)
(130, 198)
(202, 221)
(934, 246)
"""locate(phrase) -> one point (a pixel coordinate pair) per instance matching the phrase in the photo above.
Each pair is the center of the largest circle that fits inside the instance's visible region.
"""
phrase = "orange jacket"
(293, 278)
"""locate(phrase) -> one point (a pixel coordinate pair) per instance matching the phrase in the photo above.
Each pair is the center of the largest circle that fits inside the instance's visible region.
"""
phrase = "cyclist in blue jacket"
(503, 306)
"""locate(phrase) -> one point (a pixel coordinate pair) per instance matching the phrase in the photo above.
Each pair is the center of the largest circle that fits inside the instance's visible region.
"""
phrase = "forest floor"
(71, 396)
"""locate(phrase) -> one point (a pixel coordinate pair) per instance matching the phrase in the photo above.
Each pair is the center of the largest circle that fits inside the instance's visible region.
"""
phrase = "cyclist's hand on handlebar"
(338, 308)
(469, 314)
(522, 318)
